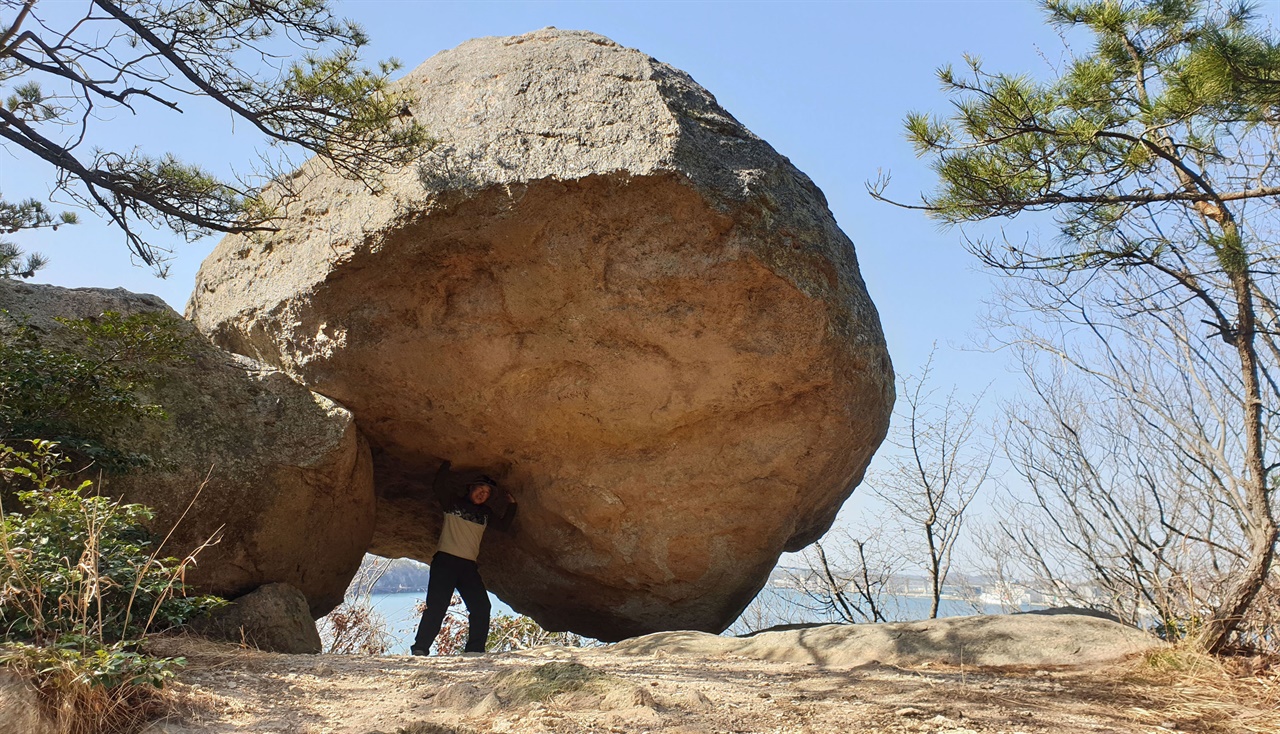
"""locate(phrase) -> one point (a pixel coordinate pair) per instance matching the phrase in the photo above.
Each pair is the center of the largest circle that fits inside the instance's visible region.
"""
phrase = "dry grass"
(206, 654)
(1170, 688)
(428, 727)
(57, 707)
(1199, 692)
(95, 709)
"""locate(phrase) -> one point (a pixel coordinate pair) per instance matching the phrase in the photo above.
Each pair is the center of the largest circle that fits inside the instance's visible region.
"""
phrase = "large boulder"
(287, 479)
(606, 292)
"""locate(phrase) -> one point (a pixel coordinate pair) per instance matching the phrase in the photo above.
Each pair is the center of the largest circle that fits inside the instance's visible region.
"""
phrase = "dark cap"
(484, 479)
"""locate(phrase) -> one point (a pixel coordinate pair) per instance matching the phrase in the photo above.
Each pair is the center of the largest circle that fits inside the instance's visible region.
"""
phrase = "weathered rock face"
(290, 484)
(606, 292)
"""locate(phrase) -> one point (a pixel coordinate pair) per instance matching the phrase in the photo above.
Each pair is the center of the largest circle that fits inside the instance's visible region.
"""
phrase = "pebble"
(908, 711)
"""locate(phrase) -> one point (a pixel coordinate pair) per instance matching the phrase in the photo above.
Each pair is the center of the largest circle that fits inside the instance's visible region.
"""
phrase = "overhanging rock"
(601, 289)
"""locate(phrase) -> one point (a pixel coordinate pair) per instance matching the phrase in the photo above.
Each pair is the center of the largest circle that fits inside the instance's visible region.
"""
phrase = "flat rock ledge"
(989, 640)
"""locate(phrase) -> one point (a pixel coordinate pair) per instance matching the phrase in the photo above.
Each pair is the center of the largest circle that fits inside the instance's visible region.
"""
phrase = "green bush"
(76, 660)
(77, 395)
(79, 564)
(80, 586)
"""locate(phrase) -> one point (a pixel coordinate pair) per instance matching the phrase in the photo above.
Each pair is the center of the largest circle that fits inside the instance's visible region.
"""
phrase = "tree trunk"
(1262, 530)
(1217, 631)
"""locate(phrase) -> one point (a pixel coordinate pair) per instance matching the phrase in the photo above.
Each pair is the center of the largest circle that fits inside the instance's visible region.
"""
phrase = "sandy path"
(228, 690)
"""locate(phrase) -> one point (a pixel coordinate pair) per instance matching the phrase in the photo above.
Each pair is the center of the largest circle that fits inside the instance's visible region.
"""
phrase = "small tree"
(851, 581)
(1155, 153)
(941, 467)
(60, 74)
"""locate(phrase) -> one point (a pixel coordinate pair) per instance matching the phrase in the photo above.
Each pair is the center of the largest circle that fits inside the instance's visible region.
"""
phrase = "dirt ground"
(570, 690)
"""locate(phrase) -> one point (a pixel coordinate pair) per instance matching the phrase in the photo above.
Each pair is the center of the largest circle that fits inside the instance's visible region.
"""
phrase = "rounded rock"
(602, 289)
(277, 475)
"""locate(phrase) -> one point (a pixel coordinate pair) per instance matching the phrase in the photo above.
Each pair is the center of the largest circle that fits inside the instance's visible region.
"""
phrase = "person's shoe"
(415, 650)
(472, 654)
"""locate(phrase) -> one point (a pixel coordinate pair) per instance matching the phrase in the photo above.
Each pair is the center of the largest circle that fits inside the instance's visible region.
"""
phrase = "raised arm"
(448, 484)
(508, 516)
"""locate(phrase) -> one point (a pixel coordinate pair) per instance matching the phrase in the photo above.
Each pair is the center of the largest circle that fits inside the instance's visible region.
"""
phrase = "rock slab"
(986, 640)
(278, 474)
(601, 289)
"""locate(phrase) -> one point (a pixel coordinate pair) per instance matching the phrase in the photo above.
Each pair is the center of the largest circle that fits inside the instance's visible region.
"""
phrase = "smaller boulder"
(273, 618)
(242, 453)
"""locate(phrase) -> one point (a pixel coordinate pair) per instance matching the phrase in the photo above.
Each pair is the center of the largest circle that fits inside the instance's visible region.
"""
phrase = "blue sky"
(826, 83)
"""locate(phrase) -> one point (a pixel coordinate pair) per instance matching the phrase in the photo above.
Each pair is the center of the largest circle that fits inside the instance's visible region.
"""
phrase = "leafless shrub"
(506, 633)
(940, 466)
(355, 627)
(848, 578)
(1139, 498)
(771, 607)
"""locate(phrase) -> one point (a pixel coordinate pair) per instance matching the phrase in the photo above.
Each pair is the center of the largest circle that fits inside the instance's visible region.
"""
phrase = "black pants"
(450, 572)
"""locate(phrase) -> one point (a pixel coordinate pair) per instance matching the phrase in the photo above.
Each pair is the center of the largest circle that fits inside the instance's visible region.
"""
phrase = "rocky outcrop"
(283, 477)
(1059, 638)
(273, 618)
(606, 292)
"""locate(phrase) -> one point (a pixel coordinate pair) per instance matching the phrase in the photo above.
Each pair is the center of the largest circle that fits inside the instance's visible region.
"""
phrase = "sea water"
(399, 610)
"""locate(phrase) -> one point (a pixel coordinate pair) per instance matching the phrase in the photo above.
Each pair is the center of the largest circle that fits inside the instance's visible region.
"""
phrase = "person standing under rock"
(469, 507)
